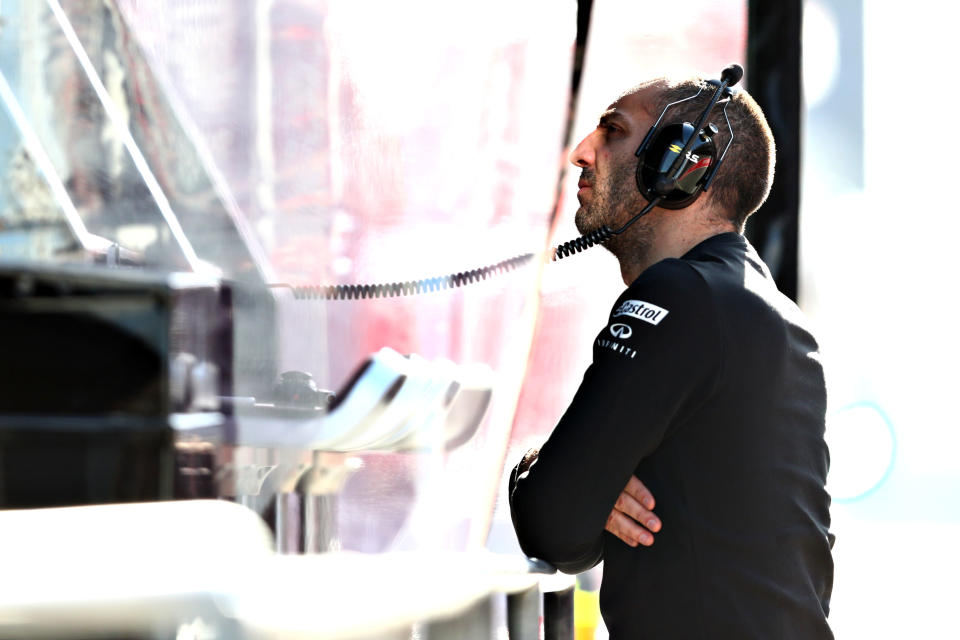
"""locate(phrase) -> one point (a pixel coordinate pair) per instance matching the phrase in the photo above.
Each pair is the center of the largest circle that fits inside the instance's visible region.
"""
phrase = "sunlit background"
(878, 271)
(305, 142)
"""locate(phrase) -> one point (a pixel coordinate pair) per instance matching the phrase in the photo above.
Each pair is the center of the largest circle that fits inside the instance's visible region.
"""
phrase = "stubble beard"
(613, 203)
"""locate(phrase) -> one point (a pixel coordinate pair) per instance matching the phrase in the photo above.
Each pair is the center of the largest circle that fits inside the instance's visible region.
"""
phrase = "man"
(705, 391)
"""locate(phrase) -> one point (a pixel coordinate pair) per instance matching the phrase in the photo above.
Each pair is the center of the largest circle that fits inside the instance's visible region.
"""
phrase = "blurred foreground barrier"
(208, 569)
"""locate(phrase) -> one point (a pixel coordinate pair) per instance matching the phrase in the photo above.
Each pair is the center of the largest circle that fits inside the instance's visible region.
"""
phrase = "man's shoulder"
(671, 281)
(672, 276)
(667, 272)
(712, 293)
(670, 295)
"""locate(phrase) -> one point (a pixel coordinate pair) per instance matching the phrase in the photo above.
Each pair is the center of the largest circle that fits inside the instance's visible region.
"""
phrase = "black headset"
(678, 161)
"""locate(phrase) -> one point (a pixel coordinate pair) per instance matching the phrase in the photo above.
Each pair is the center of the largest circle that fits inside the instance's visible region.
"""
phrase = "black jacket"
(705, 384)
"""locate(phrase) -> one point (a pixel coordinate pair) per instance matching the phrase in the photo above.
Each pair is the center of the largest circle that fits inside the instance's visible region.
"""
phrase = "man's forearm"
(544, 529)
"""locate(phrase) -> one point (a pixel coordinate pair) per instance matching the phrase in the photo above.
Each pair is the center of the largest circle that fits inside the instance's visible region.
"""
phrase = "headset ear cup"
(657, 157)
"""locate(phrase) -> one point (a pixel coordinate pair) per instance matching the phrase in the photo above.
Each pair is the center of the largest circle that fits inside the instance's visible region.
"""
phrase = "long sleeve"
(654, 363)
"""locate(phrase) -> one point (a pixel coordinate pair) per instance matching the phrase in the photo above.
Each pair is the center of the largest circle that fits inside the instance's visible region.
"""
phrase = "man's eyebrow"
(611, 114)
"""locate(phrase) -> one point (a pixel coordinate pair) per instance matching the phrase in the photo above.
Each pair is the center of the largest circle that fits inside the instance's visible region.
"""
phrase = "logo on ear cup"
(701, 165)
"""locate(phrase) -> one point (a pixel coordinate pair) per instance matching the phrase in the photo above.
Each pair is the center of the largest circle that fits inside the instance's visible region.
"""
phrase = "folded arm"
(639, 385)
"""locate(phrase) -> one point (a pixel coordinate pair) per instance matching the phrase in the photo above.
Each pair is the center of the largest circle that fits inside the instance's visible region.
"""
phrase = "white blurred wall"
(878, 269)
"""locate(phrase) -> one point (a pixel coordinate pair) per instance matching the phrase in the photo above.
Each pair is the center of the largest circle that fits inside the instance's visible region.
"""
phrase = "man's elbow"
(563, 542)
(566, 555)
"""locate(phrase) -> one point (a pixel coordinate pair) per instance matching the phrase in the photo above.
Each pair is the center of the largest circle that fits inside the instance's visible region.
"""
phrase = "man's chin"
(580, 219)
(585, 226)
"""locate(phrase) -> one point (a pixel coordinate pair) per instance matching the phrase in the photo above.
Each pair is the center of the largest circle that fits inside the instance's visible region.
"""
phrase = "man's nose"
(584, 154)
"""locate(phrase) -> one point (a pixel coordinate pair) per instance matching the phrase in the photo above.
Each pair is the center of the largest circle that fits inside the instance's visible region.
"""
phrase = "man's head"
(608, 193)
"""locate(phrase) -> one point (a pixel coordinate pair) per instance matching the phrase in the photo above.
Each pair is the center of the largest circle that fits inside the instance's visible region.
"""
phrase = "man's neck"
(671, 239)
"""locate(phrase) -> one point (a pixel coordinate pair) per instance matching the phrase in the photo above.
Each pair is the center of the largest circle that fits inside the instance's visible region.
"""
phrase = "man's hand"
(632, 519)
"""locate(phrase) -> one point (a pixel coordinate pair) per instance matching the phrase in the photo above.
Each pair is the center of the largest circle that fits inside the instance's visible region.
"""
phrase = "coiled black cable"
(453, 280)
(585, 241)
(408, 288)
(600, 235)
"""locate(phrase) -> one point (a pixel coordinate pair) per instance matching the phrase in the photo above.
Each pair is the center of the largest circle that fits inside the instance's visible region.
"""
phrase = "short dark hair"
(744, 179)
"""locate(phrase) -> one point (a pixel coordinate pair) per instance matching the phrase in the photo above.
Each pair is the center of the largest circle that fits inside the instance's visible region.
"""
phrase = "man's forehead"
(633, 104)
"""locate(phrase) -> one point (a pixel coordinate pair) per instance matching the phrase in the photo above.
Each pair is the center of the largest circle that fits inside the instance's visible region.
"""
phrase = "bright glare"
(879, 271)
(861, 451)
(821, 52)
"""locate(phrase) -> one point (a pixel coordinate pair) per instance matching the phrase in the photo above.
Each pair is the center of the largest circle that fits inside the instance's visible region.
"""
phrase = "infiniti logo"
(621, 330)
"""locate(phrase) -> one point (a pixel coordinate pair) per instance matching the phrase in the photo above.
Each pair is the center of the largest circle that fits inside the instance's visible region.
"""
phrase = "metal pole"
(288, 520)
(320, 523)
(558, 614)
(523, 614)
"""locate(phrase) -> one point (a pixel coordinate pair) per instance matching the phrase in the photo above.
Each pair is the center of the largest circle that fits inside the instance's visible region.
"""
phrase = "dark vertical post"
(524, 610)
(289, 522)
(774, 53)
(558, 623)
(320, 522)
(584, 10)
